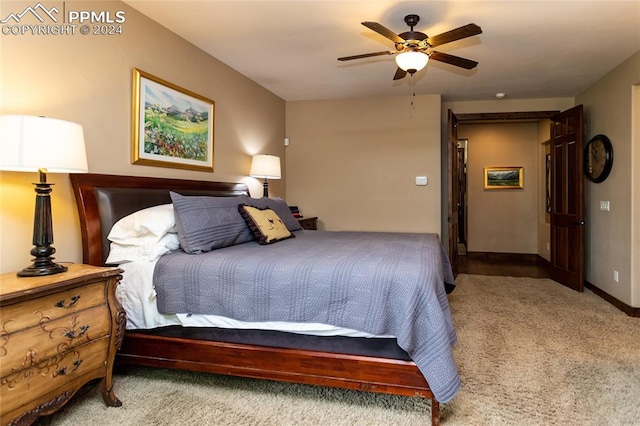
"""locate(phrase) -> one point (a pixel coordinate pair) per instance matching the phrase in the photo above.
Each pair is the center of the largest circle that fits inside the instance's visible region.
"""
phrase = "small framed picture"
(503, 177)
(172, 126)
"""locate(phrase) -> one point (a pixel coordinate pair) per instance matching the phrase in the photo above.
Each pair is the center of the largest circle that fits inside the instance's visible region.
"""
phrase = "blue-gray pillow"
(280, 207)
(207, 223)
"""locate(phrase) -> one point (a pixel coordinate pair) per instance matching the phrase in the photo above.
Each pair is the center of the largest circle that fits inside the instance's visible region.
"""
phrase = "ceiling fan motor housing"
(413, 39)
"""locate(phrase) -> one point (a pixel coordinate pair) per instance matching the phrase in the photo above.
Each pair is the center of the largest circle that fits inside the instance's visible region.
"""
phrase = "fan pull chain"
(413, 90)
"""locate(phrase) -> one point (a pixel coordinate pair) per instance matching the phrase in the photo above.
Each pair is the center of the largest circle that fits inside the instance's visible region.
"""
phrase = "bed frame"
(103, 199)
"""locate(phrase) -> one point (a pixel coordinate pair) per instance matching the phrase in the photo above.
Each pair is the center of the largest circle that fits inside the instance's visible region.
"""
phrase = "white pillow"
(122, 253)
(145, 226)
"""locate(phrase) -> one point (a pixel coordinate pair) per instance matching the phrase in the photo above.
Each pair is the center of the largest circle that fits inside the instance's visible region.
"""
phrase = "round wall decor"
(598, 158)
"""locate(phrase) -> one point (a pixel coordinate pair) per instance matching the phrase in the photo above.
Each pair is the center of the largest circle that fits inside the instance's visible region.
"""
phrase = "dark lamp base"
(38, 270)
(42, 234)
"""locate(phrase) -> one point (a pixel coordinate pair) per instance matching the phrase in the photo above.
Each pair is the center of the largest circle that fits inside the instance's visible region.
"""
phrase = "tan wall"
(608, 107)
(88, 80)
(353, 163)
(501, 220)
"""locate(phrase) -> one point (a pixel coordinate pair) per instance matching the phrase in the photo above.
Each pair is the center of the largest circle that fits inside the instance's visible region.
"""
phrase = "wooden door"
(452, 160)
(567, 199)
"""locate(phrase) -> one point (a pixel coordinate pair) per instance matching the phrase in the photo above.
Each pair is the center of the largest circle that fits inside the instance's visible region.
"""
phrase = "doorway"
(496, 220)
(458, 179)
(567, 189)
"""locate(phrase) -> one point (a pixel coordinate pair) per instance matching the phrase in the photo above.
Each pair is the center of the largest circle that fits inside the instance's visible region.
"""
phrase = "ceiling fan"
(411, 46)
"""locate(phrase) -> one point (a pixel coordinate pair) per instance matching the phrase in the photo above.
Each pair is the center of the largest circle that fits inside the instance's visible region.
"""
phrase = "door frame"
(462, 191)
(469, 118)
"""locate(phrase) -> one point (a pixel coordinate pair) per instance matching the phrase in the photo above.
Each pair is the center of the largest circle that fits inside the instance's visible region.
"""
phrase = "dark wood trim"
(506, 116)
(629, 310)
(542, 262)
(505, 257)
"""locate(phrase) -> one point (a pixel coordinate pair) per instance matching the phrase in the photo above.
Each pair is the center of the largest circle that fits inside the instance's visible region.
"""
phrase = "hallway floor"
(502, 265)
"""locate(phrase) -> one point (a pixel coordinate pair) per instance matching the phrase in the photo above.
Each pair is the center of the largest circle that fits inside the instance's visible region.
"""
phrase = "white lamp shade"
(265, 166)
(29, 143)
(412, 60)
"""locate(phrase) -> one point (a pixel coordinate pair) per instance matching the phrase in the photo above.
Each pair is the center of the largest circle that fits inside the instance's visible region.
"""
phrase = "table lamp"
(43, 145)
(265, 167)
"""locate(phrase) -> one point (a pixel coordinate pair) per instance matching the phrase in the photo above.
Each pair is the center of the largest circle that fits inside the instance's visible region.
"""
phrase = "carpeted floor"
(530, 352)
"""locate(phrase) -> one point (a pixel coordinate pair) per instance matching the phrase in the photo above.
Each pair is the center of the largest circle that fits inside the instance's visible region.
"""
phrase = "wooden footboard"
(364, 373)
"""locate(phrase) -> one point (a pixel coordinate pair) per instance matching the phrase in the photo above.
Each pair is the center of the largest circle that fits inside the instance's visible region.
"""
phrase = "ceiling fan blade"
(382, 30)
(400, 73)
(453, 60)
(453, 35)
(366, 55)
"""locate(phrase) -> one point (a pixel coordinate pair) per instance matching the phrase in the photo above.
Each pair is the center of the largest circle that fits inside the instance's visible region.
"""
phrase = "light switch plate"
(421, 180)
(604, 206)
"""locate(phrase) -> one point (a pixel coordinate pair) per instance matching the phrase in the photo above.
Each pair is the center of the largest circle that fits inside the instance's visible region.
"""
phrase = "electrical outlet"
(615, 276)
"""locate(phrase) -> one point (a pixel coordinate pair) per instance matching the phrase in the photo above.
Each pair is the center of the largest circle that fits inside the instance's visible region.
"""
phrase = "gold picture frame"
(503, 177)
(172, 126)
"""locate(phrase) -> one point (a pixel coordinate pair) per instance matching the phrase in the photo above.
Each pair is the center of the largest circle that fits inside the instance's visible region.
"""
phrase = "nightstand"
(309, 223)
(57, 332)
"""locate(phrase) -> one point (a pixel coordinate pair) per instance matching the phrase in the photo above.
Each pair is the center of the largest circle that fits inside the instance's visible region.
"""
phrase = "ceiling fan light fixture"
(412, 61)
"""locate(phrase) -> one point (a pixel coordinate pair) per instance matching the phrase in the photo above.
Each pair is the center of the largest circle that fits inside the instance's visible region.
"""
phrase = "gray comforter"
(380, 283)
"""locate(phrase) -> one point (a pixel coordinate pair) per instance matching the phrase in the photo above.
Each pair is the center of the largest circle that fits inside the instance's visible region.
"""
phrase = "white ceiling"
(528, 49)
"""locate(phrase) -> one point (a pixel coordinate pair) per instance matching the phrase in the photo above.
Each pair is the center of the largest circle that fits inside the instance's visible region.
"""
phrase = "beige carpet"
(530, 352)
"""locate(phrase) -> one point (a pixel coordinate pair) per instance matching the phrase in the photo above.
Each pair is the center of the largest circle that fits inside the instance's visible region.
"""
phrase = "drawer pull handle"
(62, 304)
(63, 370)
(71, 334)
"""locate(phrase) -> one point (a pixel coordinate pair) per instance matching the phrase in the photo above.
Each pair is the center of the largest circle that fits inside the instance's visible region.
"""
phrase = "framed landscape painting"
(503, 177)
(172, 126)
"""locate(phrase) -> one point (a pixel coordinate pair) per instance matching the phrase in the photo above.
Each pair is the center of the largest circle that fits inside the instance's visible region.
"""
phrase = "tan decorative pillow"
(265, 224)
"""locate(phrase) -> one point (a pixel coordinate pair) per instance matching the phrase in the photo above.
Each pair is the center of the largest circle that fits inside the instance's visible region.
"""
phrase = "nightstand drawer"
(50, 374)
(26, 348)
(31, 313)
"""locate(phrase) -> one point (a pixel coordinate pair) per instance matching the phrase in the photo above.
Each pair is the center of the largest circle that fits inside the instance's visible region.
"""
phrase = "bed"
(371, 362)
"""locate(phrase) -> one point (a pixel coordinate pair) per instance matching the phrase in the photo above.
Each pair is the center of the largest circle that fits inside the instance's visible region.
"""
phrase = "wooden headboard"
(102, 200)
